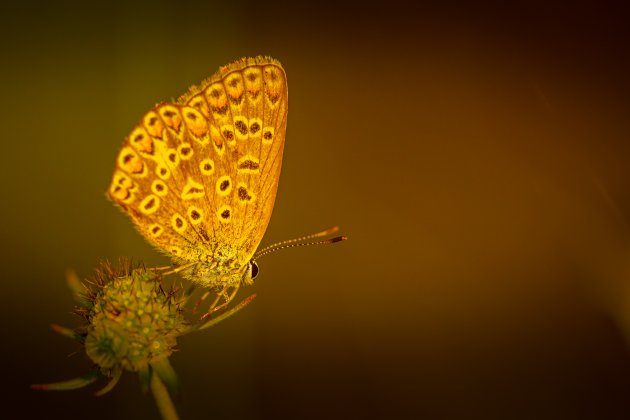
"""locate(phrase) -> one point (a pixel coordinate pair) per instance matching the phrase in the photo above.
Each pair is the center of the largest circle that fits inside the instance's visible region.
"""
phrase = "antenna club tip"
(339, 239)
(329, 231)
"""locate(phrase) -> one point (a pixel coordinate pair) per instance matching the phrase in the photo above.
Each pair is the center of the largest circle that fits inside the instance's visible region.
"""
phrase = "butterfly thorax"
(217, 267)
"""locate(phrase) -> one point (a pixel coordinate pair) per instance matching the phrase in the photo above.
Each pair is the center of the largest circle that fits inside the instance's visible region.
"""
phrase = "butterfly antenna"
(292, 243)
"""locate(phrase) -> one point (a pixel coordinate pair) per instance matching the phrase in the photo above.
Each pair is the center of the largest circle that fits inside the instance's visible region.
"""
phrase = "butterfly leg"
(226, 295)
(213, 307)
(166, 270)
(200, 301)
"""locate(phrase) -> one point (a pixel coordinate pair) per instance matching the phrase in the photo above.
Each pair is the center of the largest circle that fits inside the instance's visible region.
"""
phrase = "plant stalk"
(162, 398)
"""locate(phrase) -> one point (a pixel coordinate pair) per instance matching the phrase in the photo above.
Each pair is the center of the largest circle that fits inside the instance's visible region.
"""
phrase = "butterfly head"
(251, 272)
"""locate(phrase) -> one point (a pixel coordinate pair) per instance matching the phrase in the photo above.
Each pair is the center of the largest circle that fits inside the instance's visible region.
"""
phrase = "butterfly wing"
(246, 104)
(201, 174)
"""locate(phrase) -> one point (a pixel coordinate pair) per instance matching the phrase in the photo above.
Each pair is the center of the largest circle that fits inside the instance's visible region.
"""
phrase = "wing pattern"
(198, 177)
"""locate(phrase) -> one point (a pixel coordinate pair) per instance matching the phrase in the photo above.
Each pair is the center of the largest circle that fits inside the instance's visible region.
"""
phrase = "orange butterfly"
(198, 177)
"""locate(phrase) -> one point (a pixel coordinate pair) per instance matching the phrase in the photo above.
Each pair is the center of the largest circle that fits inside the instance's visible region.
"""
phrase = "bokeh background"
(476, 154)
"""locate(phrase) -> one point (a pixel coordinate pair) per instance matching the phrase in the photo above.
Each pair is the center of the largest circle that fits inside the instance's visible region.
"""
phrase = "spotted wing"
(203, 171)
(246, 104)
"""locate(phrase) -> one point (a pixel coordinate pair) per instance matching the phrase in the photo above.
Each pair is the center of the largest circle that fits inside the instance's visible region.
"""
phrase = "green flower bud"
(132, 322)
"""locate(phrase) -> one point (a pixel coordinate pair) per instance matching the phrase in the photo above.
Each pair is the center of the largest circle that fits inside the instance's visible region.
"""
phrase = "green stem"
(162, 398)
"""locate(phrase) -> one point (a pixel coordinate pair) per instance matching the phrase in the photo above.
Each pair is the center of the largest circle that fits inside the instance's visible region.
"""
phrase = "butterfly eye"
(254, 269)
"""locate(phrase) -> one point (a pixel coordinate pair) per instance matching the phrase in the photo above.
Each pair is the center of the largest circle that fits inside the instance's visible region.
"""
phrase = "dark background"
(465, 149)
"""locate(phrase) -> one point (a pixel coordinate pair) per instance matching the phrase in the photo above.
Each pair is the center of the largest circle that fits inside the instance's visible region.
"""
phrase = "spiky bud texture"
(132, 321)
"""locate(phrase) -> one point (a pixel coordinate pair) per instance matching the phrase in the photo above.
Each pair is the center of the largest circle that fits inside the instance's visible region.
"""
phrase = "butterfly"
(198, 176)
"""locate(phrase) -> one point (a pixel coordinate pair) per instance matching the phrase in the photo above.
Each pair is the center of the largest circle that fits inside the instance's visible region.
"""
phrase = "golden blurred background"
(476, 156)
